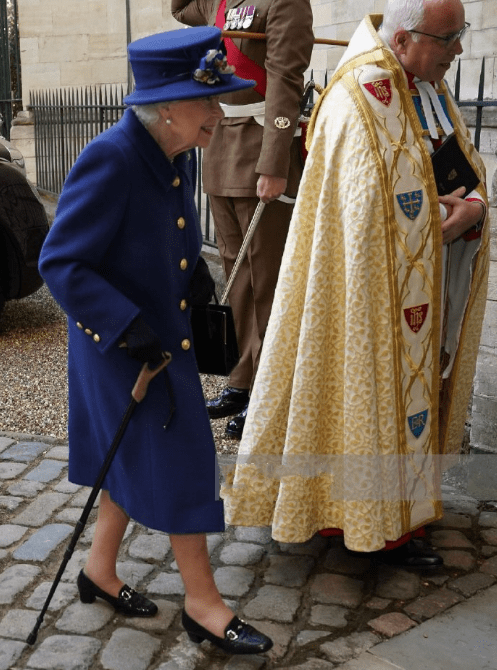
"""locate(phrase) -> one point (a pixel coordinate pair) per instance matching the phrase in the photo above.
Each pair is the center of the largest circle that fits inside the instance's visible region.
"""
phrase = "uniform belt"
(256, 110)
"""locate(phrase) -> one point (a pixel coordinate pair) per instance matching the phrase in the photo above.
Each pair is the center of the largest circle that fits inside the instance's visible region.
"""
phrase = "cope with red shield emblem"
(416, 316)
(381, 89)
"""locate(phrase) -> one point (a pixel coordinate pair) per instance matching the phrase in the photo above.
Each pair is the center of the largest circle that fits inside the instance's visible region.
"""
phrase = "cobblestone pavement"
(321, 605)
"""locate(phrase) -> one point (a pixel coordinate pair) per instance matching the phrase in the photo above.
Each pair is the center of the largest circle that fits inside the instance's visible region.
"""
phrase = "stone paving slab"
(464, 638)
(323, 606)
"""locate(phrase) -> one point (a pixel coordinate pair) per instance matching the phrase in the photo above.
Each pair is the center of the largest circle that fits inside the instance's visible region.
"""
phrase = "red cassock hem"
(389, 544)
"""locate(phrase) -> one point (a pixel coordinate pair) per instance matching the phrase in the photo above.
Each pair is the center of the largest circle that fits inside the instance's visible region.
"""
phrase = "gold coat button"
(96, 338)
(185, 345)
(79, 325)
(183, 264)
(176, 182)
(88, 331)
(183, 305)
(181, 223)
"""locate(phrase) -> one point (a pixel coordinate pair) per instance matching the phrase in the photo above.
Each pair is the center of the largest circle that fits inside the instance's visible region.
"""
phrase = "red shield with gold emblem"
(416, 316)
(381, 89)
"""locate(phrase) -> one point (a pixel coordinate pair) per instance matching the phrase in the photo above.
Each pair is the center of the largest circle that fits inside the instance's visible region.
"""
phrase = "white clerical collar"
(428, 95)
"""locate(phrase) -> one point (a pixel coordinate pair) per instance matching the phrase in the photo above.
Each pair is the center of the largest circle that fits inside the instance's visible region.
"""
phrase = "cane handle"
(146, 375)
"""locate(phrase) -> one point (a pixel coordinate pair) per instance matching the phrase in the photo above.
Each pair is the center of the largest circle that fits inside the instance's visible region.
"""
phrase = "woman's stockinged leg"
(111, 525)
(203, 602)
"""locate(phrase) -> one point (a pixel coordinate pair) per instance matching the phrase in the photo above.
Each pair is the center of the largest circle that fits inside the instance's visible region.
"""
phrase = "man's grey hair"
(405, 14)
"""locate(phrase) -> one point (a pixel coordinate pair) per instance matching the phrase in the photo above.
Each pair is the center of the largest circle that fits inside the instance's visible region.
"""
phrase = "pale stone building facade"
(79, 42)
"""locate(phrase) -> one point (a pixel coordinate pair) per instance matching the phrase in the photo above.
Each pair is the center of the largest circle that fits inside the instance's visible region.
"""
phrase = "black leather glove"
(143, 343)
(202, 285)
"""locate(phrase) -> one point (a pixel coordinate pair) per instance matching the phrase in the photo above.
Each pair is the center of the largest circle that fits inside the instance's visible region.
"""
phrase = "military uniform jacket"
(124, 243)
(241, 149)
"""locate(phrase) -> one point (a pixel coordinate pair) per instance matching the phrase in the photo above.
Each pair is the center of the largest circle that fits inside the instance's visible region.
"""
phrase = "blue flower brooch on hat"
(213, 67)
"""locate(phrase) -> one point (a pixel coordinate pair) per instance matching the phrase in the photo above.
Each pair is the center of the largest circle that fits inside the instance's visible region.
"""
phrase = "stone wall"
(82, 41)
(482, 465)
(337, 19)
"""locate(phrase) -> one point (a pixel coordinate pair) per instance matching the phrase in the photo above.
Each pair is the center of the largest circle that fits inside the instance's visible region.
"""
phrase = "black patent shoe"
(230, 402)
(234, 428)
(239, 637)
(129, 602)
(413, 555)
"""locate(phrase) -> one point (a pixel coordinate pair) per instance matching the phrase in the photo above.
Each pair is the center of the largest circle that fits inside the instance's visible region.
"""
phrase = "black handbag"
(214, 339)
(214, 335)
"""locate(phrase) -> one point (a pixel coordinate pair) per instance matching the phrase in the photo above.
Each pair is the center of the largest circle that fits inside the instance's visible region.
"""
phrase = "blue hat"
(179, 65)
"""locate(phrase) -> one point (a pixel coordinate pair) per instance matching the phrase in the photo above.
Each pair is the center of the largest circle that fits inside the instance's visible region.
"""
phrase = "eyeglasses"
(449, 40)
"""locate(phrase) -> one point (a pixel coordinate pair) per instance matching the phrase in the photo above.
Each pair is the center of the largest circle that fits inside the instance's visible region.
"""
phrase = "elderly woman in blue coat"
(122, 259)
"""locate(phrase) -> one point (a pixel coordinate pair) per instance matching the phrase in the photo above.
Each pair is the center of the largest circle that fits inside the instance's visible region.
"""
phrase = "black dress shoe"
(414, 555)
(230, 402)
(239, 637)
(129, 602)
(234, 428)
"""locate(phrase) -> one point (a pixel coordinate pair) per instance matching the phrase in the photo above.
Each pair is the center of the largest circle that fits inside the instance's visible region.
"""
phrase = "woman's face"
(192, 124)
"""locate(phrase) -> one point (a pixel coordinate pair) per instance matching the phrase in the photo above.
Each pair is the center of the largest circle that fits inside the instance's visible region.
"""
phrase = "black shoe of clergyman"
(129, 602)
(414, 555)
(234, 428)
(230, 402)
(239, 637)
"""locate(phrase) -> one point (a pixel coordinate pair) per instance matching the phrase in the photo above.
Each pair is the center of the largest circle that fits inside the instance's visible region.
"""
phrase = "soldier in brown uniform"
(255, 153)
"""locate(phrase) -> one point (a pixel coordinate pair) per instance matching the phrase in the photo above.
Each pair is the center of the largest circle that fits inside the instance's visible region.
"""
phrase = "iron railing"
(65, 121)
(479, 104)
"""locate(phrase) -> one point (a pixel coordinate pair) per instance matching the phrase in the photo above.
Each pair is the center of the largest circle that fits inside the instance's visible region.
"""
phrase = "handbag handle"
(246, 241)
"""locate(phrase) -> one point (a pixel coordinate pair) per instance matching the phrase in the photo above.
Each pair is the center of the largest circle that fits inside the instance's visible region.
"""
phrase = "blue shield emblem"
(411, 203)
(417, 422)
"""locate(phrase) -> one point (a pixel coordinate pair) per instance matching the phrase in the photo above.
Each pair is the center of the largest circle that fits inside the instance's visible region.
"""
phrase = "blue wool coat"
(124, 243)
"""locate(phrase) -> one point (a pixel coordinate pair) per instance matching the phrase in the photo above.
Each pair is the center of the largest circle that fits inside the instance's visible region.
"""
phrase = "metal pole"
(128, 40)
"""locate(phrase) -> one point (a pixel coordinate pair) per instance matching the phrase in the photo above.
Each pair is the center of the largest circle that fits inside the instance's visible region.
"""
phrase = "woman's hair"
(148, 115)
(406, 14)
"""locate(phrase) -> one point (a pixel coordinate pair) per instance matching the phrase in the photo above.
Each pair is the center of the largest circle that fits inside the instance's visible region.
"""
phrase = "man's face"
(430, 58)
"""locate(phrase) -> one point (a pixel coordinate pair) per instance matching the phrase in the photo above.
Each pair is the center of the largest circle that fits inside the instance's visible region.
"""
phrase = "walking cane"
(137, 394)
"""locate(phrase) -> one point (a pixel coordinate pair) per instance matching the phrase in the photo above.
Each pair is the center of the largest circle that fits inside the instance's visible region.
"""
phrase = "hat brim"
(186, 91)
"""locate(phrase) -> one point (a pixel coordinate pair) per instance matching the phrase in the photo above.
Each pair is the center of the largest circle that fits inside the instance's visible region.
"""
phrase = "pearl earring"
(168, 122)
